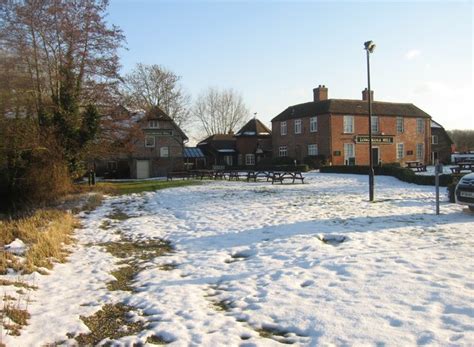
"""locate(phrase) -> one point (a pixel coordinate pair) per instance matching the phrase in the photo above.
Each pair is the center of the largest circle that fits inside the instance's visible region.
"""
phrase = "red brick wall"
(387, 126)
(330, 137)
(294, 141)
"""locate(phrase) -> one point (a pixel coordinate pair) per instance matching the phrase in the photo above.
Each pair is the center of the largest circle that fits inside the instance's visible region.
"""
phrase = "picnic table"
(415, 165)
(178, 174)
(463, 166)
(280, 176)
(254, 175)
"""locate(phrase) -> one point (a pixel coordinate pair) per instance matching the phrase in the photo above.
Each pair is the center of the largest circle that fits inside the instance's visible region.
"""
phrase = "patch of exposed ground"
(111, 322)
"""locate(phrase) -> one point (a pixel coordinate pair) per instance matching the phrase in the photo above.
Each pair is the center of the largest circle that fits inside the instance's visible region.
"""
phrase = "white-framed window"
(297, 126)
(348, 124)
(250, 159)
(400, 151)
(313, 149)
(400, 125)
(313, 124)
(349, 153)
(282, 151)
(420, 125)
(153, 124)
(434, 139)
(375, 124)
(283, 128)
(164, 152)
(149, 141)
(420, 152)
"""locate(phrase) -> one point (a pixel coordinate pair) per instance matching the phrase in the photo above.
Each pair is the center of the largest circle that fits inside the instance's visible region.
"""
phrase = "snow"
(16, 247)
(402, 275)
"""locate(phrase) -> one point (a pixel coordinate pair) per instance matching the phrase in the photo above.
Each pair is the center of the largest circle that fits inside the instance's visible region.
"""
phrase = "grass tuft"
(112, 322)
(124, 276)
(46, 232)
(145, 250)
(157, 340)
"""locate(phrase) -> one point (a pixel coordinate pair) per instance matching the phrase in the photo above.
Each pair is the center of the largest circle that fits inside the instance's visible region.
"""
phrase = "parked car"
(465, 191)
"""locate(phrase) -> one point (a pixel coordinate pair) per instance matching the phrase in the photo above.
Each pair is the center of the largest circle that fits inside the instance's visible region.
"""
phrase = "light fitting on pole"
(369, 46)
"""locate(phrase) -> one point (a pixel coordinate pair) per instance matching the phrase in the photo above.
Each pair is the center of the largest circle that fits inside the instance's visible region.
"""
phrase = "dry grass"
(112, 321)
(45, 233)
(14, 314)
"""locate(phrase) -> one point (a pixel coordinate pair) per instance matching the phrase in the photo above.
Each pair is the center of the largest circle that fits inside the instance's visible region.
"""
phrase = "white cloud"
(412, 54)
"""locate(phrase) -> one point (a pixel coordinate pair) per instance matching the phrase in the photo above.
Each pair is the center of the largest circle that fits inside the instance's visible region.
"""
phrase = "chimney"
(320, 93)
(365, 95)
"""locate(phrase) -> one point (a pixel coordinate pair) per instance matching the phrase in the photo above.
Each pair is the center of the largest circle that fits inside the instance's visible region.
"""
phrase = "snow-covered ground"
(402, 275)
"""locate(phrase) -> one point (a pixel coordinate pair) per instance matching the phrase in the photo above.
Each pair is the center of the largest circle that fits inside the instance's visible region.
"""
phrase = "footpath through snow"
(257, 264)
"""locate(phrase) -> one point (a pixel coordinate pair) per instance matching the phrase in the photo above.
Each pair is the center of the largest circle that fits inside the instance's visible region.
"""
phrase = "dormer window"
(153, 124)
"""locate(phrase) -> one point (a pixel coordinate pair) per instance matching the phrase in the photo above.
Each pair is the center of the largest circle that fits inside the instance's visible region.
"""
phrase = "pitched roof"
(157, 113)
(219, 141)
(350, 107)
(254, 128)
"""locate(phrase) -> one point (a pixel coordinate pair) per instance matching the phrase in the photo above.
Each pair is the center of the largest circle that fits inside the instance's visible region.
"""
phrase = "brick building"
(338, 130)
(251, 144)
(156, 146)
(441, 144)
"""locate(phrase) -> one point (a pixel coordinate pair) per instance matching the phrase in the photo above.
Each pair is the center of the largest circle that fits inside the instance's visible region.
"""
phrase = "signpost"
(438, 170)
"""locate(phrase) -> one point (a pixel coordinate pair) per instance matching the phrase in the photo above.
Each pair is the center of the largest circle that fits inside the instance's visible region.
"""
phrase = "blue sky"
(275, 52)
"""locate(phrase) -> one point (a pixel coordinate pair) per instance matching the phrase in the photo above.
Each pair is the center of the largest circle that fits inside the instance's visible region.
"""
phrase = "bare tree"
(220, 111)
(463, 139)
(148, 86)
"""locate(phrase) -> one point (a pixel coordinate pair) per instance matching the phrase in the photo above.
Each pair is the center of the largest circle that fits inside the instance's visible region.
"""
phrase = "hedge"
(403, 174)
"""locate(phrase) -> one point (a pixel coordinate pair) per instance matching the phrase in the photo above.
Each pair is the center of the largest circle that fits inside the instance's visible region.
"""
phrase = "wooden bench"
(178, 174)
(254, 175)
(287, 175)
(416, 166)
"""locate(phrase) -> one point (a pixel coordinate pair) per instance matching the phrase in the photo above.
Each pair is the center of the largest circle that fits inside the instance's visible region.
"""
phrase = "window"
(375, 124)
(149, 141)
(228, 160)
(313, 149)
(419, 151)
(349, 154)
(420, 125)
(400, 125)
(283, 151)
(297, 126)
(250, 159)
(283, 128)
(434, 139)
(153, 124)
(400, 151)
(164, 152)
(348, 124)
(313, 124)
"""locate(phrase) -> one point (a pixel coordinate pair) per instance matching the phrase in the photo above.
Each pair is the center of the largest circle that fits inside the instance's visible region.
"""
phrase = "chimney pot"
(365, 95)
(320, 93)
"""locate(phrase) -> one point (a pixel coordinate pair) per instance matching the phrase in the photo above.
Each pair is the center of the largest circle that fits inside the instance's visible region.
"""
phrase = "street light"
(369, 46)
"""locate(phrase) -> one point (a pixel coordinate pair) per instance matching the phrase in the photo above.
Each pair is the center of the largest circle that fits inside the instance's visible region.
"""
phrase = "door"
(375, 155)
(434, 157)
(143, 169)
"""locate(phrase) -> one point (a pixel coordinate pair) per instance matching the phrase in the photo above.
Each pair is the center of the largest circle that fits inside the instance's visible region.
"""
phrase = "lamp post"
(369, 46)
